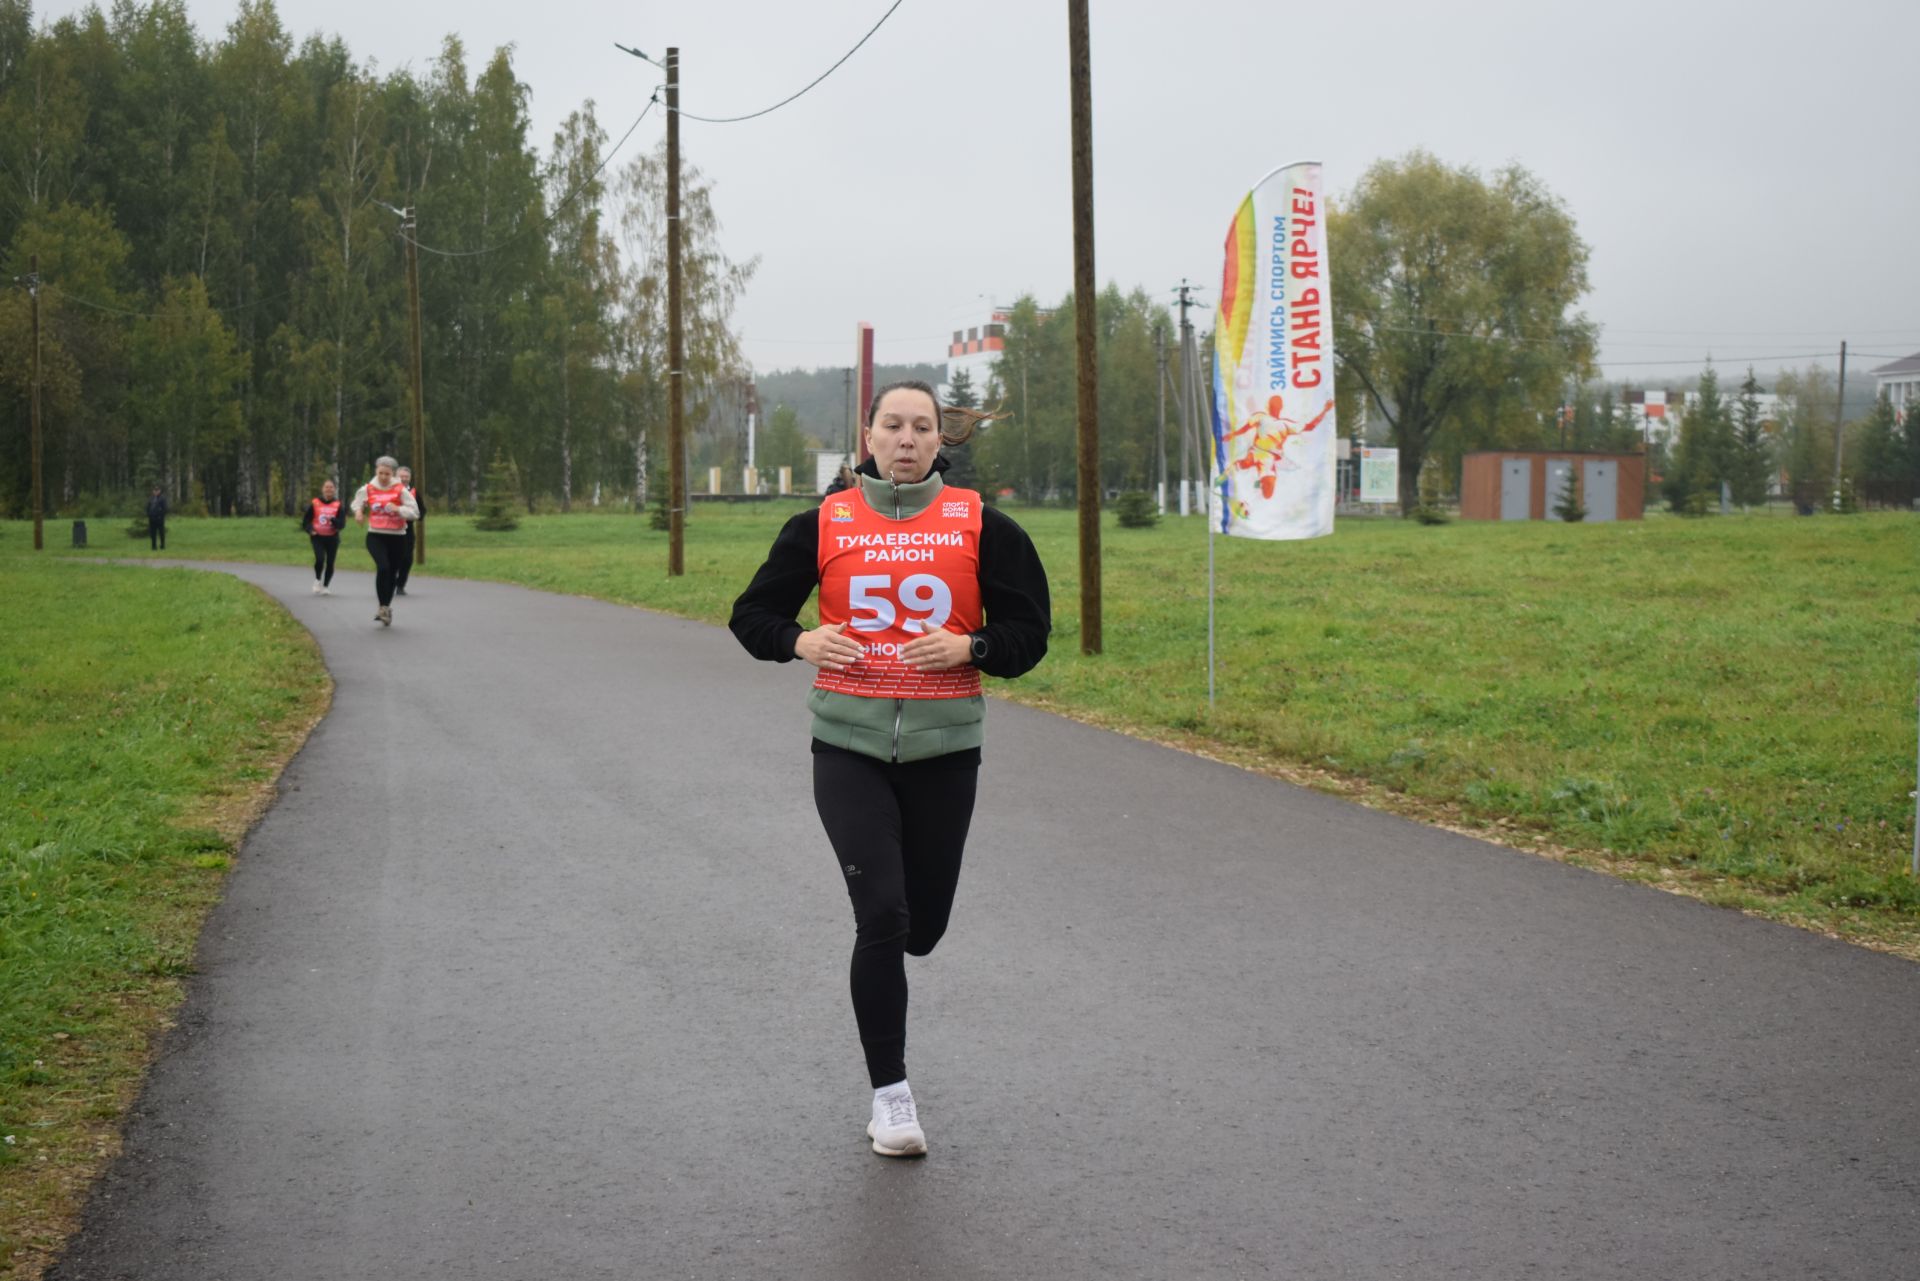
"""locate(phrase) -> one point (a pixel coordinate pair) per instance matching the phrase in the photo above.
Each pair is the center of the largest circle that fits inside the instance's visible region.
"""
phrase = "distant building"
(1899, 382)
(977, 351)
(1649, 410)
(1769, 403)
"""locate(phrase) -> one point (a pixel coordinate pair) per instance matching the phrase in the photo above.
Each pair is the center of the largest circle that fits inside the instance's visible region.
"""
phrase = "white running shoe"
(316, 587)
(326, 591)
(895, 1128)
(384, 617)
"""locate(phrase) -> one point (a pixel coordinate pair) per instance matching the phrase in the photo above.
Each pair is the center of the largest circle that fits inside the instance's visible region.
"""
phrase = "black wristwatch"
(979, 645)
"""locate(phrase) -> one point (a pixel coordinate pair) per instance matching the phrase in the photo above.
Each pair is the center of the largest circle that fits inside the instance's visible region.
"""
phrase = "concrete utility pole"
(676, 339)
(1202, 434)
(1839, 425)
(33, 400)
(1085, 302)
(1189, 416)
(1160, 363)
(409, 225)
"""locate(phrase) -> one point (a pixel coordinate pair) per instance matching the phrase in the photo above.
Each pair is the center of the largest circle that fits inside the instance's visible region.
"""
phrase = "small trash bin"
(79, 533)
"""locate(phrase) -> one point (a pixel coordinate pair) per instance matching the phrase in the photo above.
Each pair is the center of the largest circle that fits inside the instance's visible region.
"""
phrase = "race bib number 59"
(926, 601)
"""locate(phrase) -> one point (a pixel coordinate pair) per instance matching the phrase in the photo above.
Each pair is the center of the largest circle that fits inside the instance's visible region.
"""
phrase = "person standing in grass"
(384, 506)
(322, 521)
(922, 588)
(406, 565)
(157, 520)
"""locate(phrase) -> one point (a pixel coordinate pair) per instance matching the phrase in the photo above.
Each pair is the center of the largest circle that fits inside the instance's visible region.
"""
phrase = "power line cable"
(561, 204)
(1731, 360)
(835, 342)
(1603, 330)
(1710, 356)
(754, 115)
(155, 315)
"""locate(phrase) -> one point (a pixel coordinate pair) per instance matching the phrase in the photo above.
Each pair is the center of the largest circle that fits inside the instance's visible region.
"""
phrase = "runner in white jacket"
(384, 506)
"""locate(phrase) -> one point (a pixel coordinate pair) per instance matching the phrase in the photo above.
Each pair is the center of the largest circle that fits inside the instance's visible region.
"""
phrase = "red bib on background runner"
(895, 581)
(390, 520)
(326, 517)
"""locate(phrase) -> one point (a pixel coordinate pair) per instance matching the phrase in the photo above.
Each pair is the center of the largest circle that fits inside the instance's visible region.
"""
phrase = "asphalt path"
(537, 969)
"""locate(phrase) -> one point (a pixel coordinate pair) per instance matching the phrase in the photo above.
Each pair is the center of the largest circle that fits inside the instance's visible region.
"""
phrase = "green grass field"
(142, 715)
(1726, 704)
(1725, 707)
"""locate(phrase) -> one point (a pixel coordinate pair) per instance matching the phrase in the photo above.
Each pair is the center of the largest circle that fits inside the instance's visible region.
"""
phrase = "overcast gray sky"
(1747, 175)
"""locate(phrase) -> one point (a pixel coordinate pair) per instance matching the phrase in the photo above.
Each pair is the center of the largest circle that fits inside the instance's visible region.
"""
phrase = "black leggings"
(325, 548)
(898, 832)
(387, 551)
(405, 566)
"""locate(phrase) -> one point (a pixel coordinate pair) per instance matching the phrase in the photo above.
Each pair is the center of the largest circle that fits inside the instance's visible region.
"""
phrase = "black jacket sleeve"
(1014, 596)
(764, 616)
(306, 518)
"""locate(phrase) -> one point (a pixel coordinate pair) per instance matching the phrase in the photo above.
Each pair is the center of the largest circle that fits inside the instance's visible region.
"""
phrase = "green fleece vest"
(898, 729)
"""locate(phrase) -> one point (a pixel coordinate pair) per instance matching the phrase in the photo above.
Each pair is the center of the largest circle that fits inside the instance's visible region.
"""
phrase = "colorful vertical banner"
(1274, 465)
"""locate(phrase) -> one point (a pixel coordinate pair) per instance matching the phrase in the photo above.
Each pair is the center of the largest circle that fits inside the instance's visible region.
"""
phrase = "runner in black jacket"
(322, 522)
(157, 520)
(405, 569)
(922, 588)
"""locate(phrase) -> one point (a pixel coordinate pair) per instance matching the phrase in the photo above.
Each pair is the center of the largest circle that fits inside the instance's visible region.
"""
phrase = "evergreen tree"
(1807, 431)
(1704, 456)
(783, 444)
(1567, 506)
(1880, 456)
(1716, 432)
(496, 504)
(660, 514)
(961, 470)
(1752, 452)
(1136, 510)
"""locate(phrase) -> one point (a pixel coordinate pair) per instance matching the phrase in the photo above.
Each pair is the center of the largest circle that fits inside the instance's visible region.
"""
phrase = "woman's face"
(384, 475)
(327, 491)
(904, 436)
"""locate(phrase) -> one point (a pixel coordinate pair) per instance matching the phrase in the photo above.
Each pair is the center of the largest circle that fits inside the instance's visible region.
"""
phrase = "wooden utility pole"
(1839, 425)
(409, 226)
(33, 400)
(676, 340)
(1085, 302)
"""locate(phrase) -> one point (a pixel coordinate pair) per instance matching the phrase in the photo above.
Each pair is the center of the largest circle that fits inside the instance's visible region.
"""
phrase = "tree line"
(1726, 444)
(1454, 320)
(223, 307)
(221, 285)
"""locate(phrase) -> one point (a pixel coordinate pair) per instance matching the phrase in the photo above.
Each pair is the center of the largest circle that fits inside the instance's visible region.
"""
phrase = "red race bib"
(896, 580)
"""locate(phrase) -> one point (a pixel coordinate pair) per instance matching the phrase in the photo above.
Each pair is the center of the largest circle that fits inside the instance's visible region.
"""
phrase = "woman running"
(322, 521)
(384, 506)
(405, 571)
(922, 588)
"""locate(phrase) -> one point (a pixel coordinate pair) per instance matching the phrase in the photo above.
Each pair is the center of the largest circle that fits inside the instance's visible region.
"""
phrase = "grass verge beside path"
(1724, 707)
(143, 719)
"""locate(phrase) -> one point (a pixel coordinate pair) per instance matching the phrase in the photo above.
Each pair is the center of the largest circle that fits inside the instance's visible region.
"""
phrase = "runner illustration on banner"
(1273, 471)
